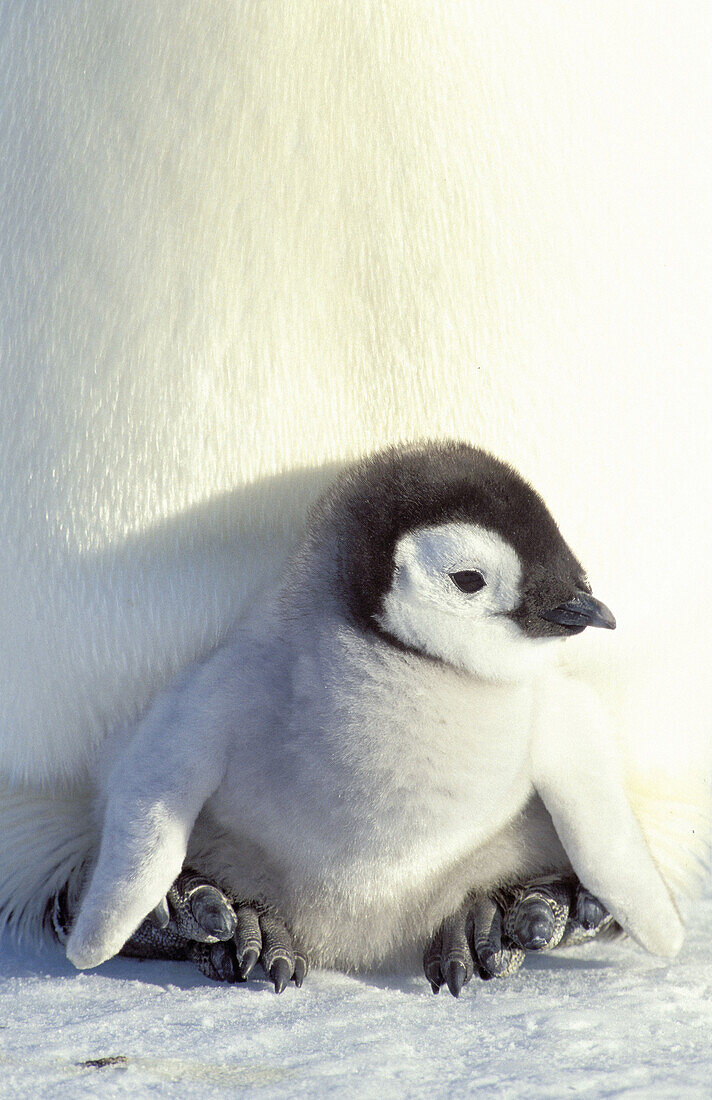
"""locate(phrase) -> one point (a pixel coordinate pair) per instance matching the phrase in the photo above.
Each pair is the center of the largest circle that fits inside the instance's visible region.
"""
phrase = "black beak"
(582, 611)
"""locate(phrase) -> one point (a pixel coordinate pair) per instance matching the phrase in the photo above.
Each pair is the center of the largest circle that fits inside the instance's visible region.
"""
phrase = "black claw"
(212, 913)
(248, 963)
(300, 971)
(431, 961)
(280, 973)
(431, 966)
(455, 976)
(432, 973)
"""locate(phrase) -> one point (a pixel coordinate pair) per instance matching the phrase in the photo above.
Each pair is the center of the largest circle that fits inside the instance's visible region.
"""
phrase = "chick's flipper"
(198, 922)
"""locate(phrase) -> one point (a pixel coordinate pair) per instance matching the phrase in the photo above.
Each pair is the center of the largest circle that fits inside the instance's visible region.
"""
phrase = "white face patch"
(425, 609)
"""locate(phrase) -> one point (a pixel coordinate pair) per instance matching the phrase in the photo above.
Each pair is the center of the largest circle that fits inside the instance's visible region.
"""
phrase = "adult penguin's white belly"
(243, 243)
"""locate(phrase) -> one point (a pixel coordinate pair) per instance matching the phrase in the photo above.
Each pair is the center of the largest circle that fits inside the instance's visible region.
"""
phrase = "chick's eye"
(468, 580)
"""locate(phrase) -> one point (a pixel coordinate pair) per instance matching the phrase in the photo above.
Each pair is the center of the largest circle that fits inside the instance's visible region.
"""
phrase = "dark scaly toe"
(588, 910)
(278, 956)
(201, 955)
(457, 965)
(213, 912)
(199, 910)
(455, 976)
(536, 915)
(588, 919)
(301, 966)
(224, 960)
(431, 961)
(248, 940)
(496, 959)
(248, 963)
(533, 925)
(216, 961)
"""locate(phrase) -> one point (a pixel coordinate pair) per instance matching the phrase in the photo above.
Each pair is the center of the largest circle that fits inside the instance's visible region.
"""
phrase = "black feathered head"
(379, 503)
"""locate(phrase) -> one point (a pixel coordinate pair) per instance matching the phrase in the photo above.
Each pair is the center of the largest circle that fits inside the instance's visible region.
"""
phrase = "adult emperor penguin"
(385, 737)
(245, 243)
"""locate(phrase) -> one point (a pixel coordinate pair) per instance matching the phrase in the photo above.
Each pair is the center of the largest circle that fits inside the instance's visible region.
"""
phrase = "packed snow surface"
(599, 1020)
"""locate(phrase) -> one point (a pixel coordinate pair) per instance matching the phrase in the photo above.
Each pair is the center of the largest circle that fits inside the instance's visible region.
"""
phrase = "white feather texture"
(242, 243)
(45, 841)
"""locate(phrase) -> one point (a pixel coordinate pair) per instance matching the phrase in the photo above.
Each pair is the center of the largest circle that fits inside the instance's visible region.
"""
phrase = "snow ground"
(601, 1020)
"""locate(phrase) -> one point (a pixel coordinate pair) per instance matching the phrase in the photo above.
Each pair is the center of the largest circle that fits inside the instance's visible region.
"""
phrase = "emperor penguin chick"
(387, 733)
